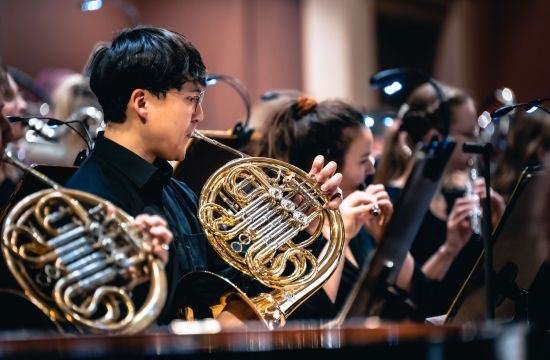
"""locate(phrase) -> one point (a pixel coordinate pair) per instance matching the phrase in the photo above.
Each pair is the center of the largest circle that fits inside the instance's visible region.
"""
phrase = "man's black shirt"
(130, 182)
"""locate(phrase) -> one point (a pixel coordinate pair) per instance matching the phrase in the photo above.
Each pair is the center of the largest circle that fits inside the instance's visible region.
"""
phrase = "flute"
(475, 214)
(375, 211)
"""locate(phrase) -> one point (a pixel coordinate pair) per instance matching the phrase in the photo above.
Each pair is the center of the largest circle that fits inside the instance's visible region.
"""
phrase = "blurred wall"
(490, 44)
(257, 41)
(52, 33)
(458, 46)
(515, 52)
(339, 47)
(481, 45)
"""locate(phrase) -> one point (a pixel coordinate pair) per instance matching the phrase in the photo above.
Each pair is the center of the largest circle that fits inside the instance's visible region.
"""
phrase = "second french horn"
(255, 212)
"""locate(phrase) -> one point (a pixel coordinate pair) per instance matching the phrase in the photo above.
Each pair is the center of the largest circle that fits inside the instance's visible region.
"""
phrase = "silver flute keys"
(375, 211)
(475, 213)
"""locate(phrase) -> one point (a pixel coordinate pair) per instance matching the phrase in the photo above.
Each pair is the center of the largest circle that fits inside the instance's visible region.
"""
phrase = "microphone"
(50, 121)
(242, 131)
(237, 85)
(528, 106)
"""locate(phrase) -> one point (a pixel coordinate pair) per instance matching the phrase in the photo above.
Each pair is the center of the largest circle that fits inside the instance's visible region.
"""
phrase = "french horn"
(264, 217)
(79, 263)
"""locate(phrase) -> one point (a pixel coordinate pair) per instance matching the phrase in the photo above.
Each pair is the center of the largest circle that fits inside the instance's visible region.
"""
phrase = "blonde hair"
(72, 94)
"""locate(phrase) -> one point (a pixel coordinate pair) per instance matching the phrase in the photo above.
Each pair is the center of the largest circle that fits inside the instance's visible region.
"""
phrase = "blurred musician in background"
(14, 104)
(442, 246)
(527, 144)
(150, 83)
(65, 96)
(5, 92)
(73, 101)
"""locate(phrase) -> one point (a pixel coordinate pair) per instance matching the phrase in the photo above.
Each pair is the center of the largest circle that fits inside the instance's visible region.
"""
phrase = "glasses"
(194, 99)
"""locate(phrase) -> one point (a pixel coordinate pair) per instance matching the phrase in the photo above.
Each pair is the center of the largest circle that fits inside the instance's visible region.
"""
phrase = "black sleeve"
(415, 304)
(422, 292)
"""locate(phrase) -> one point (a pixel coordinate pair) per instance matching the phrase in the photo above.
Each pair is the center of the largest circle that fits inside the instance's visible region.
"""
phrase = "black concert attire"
(7, 188)
(431, 235)
(362, 247)
(319, 306)
(539, 299)
(130, 182)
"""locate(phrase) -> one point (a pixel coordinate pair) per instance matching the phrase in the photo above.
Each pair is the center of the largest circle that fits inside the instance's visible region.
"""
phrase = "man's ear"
(138, 103)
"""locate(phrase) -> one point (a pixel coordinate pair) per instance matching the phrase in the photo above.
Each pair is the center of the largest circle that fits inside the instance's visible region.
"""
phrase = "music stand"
(368, 295)
(517, 258)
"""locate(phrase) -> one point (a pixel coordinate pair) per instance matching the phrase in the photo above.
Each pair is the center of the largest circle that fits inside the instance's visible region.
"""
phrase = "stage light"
(393, 88)
(369, 121)
(91, 5)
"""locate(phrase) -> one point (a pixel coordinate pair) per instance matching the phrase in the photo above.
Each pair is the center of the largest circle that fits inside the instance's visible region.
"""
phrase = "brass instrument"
(78, 264)
(254, 212)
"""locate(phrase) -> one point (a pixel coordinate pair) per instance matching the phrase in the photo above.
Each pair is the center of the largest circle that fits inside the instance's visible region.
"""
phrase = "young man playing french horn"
(150, 83)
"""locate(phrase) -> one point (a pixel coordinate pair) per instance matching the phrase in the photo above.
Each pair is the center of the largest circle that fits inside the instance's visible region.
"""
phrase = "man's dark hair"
(149, 58)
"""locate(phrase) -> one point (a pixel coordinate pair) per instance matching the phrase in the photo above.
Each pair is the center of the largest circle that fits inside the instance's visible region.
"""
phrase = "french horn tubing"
(255, 212)
(80, 264)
